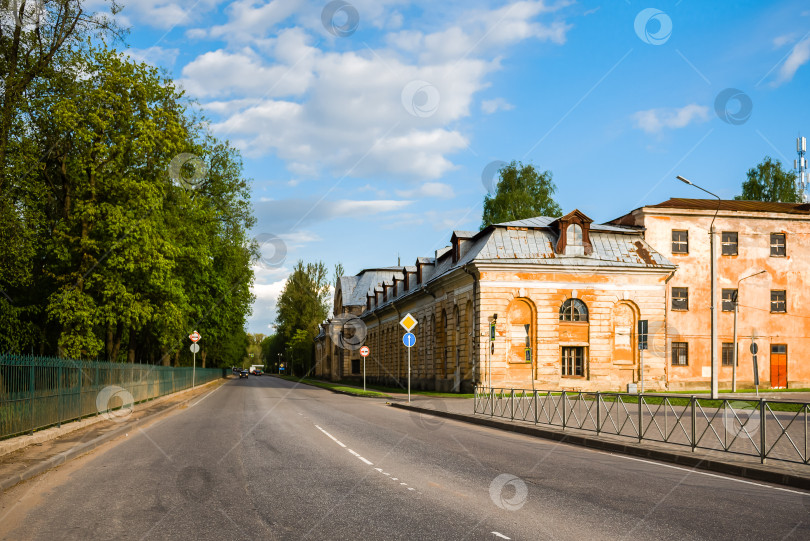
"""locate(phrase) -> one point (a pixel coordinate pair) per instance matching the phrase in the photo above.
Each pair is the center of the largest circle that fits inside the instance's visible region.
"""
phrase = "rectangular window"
(573, 361)
(778, 245)
(729, 240)
(728, 354)
(778, 300)
(680, 298)
(680, 241)
(355, 366)
(680, 353)
(729, 296)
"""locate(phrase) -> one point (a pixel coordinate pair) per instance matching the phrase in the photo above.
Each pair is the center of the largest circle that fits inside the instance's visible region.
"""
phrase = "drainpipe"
(473, 332)
(666, 330)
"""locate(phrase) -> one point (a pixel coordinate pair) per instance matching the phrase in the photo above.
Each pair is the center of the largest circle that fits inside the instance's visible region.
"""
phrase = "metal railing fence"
(768, 429)
(38, 392)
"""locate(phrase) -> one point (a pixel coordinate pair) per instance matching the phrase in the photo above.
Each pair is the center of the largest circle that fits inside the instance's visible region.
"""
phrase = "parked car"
(243, 373)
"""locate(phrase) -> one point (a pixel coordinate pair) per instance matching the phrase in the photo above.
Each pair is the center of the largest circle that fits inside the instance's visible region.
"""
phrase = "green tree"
(301, 308)
(122, 260)
(768, 181)
(522, 192)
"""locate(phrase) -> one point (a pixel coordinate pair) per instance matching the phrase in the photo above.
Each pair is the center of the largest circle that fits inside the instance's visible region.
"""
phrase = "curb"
(84, 448)
(747, 472)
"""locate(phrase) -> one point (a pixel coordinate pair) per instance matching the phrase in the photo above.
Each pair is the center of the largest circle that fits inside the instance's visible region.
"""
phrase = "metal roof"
(734, 205)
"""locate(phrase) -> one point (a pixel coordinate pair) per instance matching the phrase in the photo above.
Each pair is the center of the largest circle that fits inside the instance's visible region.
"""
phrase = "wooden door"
(779, 366)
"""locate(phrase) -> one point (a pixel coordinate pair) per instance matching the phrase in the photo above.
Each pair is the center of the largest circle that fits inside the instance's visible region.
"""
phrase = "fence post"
(694, 422)
(491, 402)
(563, 401)
(59, 396)
(535, 414)
(762, 433)
(512, 405)
(640, 418)
(31, 389)
(598, 412)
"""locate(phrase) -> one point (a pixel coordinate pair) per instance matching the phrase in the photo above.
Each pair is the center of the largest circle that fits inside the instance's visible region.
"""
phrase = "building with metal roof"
(563, 294)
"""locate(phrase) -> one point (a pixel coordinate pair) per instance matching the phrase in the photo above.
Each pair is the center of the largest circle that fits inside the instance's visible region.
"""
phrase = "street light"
(736, 304)
(713, 287)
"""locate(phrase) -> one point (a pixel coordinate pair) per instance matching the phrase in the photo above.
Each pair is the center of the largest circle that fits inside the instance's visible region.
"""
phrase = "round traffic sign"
(754, 348)
(364, 351)
(195, 347)
(194, 336)
(409, 339)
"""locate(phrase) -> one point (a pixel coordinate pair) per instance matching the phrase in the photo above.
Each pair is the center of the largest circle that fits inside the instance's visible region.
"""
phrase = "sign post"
(754, 349)
(642, 345)
(408, 323)
(195, 336)
(364, 351)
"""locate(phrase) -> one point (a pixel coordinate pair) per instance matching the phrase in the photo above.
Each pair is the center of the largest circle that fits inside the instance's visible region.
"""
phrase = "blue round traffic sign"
(409, 339)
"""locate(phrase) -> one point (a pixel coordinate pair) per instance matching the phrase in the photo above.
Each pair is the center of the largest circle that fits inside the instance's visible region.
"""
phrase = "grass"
(679, 401)
(336, 387)
(400, 390)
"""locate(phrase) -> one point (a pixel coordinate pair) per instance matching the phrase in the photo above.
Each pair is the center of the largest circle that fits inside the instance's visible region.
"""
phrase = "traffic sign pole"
(408, 323)
(364, 351)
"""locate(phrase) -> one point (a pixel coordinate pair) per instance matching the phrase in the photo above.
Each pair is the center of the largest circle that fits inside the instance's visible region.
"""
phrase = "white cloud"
(439, 190)
(798, 57)
(656, 120)
(155, 55)
(345, 112)
(498, 104)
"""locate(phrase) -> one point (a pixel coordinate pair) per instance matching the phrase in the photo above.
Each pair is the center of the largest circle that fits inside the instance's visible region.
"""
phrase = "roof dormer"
(574, 234)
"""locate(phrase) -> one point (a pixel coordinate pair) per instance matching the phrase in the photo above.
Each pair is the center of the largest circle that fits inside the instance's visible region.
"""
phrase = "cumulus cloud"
(498, 104)
(798, 57)
(656, 120)
(280, 217)
(438, 190)
(390, 112)
(155, 55)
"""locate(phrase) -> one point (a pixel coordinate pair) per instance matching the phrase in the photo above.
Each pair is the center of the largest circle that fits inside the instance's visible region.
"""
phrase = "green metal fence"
(37, 392)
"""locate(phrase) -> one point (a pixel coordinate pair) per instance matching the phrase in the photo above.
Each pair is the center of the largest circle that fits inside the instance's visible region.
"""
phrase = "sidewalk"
(35, 454)
(749, 467)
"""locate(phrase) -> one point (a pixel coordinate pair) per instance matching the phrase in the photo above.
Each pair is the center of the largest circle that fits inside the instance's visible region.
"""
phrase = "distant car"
(243, 373)
(258, 372)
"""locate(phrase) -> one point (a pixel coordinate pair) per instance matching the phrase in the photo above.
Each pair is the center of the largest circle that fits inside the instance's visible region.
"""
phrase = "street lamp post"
(736, 310)
(713, 273)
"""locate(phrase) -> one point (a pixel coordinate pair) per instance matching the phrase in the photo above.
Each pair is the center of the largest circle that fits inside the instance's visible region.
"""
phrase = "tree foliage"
(522, 192)
(769, 181)
(108, 247)
(301, 308)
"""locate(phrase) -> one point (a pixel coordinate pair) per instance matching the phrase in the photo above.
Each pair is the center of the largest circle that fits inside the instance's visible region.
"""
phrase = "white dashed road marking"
(498, 534)
(334, 439)
(366, 461)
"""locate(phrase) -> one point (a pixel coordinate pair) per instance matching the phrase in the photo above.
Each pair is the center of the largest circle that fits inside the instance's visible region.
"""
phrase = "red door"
(779, 366)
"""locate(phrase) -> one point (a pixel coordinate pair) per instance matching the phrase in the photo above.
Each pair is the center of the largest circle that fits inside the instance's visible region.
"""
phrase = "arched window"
(573, 310)
(573, 235)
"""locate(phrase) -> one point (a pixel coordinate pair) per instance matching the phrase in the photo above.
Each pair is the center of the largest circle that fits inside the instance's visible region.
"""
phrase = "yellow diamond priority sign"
(408, 322)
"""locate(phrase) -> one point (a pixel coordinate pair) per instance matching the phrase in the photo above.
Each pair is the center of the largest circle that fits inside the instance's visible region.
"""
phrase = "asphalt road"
(262, 458)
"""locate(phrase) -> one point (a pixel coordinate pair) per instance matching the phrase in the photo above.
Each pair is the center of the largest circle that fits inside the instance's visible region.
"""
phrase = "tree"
(522, 192)
(121, 259)
(301, 308)
(768, 181)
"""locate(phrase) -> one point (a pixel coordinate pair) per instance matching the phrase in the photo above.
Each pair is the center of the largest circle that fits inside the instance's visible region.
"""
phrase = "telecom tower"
(800, 165)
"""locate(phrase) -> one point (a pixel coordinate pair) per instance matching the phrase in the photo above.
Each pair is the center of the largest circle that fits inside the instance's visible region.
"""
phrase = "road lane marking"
(356, 454)
(334, 439)
(206, 396)
(710, 474)
(498, 534)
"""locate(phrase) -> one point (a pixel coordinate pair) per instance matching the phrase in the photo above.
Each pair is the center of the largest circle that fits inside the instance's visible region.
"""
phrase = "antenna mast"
(800, 165)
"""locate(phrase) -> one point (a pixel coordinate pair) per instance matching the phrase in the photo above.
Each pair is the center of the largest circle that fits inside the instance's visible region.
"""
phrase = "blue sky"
(367, 137)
